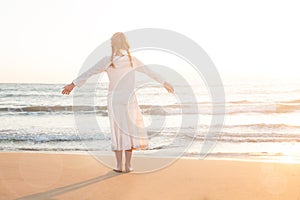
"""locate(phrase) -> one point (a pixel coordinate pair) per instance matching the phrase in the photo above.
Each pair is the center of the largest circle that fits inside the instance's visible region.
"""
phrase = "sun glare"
(289, 155)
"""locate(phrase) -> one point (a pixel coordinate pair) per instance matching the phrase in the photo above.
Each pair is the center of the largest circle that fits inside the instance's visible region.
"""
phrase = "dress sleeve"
(140, 67)
(99, 67)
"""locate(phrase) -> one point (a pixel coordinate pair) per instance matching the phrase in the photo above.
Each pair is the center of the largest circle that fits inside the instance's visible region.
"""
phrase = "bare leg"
(128, 154)
(119, 159)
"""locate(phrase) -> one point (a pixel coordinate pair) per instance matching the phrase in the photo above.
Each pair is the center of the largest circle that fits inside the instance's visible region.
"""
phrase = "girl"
(126, 122)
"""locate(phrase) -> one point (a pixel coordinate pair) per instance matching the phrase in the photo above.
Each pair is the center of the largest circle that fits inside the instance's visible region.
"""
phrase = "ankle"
(119, 165)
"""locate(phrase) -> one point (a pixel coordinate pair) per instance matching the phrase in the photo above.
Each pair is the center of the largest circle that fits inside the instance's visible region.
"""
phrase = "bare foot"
(118, 168)
(128, 168)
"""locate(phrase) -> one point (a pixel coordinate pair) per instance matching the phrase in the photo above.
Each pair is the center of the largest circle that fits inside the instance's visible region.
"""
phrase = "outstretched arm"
(80, 80)
(146, 70)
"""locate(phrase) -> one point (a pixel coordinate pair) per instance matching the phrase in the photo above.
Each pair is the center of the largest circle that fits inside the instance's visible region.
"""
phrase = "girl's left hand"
(68, 89)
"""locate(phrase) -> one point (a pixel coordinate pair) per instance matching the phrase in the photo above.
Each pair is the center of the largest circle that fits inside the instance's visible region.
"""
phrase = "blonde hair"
(119, 42)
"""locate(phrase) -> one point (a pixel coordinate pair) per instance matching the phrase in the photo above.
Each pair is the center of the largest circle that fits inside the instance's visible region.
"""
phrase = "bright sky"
(48, 41)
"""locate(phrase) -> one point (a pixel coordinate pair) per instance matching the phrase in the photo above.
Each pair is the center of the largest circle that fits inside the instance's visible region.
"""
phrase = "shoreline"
(283, 160)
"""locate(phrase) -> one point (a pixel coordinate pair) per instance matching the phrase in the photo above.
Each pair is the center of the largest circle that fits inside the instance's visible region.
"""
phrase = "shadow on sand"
(49, 195)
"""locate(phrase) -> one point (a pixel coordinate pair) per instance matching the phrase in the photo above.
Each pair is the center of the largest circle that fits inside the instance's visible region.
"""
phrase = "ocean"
(261, 120)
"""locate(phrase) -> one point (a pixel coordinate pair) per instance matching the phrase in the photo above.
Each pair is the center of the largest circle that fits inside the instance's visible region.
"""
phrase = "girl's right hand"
(168, 87)
(68, 88)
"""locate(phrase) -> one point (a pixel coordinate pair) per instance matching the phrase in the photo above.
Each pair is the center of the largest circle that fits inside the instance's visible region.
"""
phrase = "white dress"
(126, 121)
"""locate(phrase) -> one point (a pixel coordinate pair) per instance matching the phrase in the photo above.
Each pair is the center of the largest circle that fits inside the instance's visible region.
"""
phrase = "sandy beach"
(70, 176)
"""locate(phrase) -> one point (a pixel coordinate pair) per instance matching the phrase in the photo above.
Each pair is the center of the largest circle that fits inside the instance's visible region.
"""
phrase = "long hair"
(119, 42)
